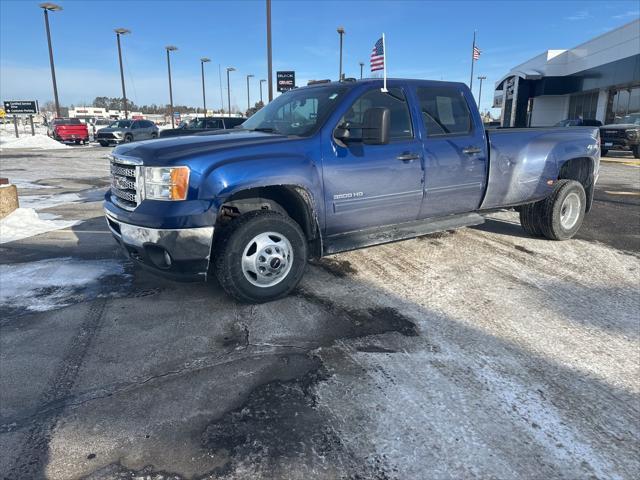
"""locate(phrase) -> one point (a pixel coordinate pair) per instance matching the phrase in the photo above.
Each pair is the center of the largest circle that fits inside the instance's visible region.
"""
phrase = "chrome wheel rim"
(570, 211)
(267, 259)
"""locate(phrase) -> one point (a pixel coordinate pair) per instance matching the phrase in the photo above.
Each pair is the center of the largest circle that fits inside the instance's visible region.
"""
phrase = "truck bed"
(523, 159)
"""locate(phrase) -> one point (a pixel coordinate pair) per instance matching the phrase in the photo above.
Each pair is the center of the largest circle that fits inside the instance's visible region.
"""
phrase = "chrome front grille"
(125, 185)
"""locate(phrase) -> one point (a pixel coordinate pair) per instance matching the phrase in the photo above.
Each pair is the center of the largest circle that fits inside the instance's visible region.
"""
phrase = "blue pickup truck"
(337, 166)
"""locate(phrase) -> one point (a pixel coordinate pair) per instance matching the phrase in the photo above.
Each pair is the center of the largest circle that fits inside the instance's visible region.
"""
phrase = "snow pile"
(26, 222)
(38, 142)
(52, 283)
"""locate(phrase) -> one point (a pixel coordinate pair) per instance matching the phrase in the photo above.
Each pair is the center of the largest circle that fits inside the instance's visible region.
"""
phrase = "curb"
(622, 161)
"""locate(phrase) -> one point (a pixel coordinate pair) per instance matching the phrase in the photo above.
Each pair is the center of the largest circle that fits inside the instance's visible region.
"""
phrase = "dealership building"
(599, 79)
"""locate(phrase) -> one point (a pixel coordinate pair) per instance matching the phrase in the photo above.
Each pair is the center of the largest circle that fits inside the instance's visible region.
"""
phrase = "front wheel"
(562, 213)
(636, 151)
(128, 138)
(154, 135)
(604, 152)
(260, 256)
(103, 143)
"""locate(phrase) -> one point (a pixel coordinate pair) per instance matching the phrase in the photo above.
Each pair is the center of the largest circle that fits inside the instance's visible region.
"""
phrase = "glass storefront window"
(622, 102)
(583, 105)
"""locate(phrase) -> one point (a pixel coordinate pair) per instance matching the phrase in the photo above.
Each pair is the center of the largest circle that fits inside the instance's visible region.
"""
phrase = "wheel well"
(289, 199)
(580, 170)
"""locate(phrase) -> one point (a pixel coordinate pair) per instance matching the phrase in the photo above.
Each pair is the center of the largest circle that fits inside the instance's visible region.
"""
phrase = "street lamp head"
(52, 7)
(482, 77)
(231, 69)
(205, 60)
(340, 30)
(171, 48)
(122, 31)
(251, 75)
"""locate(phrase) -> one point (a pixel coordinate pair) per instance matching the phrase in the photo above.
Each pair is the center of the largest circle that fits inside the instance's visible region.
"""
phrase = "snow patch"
(52, 283)
(40, 202)
(27, 184)
(37, 142)
(25, 223)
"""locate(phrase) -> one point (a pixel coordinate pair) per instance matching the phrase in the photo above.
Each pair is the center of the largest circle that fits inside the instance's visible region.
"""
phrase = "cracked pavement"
(481, 353)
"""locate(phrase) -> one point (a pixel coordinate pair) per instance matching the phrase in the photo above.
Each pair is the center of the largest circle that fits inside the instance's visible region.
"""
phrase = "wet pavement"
(479, 353)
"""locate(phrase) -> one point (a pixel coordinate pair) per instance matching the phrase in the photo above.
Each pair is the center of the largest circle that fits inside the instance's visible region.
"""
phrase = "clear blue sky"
(425, 39)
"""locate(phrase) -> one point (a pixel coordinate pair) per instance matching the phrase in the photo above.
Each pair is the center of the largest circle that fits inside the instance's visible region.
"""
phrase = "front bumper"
(617, 143)
(179, 254)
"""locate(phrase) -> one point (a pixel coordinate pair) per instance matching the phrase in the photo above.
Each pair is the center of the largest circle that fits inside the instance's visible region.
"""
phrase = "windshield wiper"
(264, 129)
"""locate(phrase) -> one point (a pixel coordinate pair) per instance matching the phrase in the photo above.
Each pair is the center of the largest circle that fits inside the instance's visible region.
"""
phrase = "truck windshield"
(297, 112)
(633, 118)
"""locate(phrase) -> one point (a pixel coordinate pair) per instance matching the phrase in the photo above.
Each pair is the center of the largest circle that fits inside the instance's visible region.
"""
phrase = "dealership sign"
(14, 107)
(286, 81)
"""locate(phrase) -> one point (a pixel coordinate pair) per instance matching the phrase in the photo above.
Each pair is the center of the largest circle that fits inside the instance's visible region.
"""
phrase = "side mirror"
(375, 126)
(342, 133)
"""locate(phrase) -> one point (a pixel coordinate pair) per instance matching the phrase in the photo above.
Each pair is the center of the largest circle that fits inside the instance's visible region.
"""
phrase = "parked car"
(124, 131)
(579, 122)
(68, 130)
(623, 134)
(334, 167)
(99, 123)
(203, 125)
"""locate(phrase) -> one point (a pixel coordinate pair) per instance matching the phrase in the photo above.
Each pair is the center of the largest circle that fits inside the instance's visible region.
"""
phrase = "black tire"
(552, 210)
(636, 151)
(128, 138)
(530, 219)
(604, 152)
(103, 143)
(154, 135)
(230, 244)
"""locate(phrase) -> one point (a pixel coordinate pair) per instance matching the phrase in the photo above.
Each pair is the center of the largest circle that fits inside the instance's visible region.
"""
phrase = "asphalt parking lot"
(479, 353)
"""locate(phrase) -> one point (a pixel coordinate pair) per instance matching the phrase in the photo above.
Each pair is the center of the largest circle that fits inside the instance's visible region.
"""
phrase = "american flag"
(476, 53)
(377, 56)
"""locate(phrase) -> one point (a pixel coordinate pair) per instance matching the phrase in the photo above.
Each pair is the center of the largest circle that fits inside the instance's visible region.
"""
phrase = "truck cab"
(338, 166)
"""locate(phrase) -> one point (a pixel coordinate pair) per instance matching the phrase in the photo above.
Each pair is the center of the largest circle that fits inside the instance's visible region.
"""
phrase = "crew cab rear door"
(455, 149)
(372, 185)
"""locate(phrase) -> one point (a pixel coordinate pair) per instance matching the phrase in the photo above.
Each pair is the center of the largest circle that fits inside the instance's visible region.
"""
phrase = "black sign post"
(21, 107)
(15, 125)
(286, 81)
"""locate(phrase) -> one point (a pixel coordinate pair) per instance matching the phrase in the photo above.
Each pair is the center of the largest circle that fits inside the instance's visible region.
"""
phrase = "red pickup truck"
(68, 130)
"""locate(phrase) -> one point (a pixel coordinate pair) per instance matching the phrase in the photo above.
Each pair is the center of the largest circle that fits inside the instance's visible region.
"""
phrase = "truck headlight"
(632, 133)
(166, 183)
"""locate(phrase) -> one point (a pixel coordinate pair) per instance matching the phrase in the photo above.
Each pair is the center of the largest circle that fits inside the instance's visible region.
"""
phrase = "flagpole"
(473, 49)
(384, 50)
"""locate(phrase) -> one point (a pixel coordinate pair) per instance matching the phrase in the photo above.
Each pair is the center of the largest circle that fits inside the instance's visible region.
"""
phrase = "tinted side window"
(444, 111)
(232, 122)
(394, 100)
(212, 123)
(147, 124)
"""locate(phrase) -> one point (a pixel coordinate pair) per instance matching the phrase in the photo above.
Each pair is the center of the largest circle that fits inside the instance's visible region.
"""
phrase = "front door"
(455, 152)
(373, 185)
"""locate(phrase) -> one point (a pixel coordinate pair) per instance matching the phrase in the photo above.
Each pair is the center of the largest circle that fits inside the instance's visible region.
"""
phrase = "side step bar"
(376, 236)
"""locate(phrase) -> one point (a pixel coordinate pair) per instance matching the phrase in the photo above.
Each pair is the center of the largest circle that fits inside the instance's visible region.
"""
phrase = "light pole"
(248, 98)
(170, 48)
(269, 63)
(361, 67)
(204, 60)
(229, 69)
(47, 7)
(261, 91)
(122, 31)
(481, 78)
(341, 33)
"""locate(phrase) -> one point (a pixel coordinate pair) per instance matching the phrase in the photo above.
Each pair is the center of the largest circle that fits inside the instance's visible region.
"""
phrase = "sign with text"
(286, 81)
(14, 107)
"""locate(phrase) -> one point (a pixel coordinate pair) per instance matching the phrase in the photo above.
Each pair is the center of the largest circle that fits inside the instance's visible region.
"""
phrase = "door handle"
(408, 156)
(471, 150)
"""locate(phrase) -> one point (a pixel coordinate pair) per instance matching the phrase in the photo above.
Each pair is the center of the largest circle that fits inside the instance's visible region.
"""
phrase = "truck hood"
(173, 150)
(619, 126)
